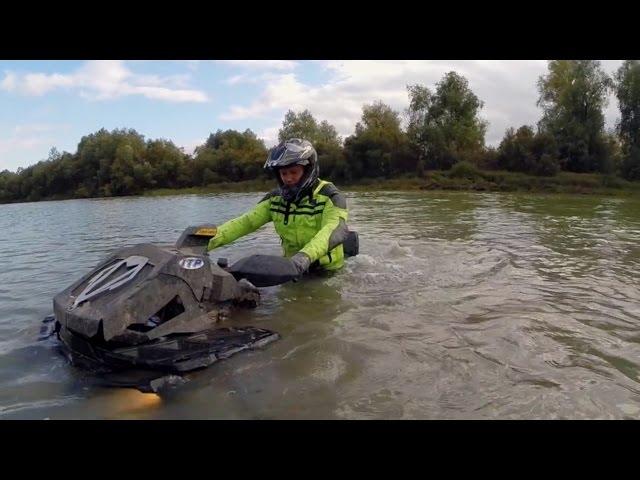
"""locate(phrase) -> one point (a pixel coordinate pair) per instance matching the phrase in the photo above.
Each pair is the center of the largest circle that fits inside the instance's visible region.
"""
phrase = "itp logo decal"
(191, 263)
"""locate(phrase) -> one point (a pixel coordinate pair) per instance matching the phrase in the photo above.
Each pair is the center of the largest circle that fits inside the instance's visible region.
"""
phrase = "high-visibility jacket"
(316, 225)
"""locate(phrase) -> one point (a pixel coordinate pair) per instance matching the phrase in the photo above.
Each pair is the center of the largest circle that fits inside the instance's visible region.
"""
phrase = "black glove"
(301, 261)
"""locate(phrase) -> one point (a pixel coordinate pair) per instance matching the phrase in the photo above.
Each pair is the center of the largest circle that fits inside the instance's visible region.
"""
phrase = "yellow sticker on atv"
(207, 232)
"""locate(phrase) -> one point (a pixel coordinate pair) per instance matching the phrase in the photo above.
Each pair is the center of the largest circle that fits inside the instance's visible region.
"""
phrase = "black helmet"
(294, 151)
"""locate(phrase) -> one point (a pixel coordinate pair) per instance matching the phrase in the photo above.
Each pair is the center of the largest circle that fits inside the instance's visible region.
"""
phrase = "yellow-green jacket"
(316, 225)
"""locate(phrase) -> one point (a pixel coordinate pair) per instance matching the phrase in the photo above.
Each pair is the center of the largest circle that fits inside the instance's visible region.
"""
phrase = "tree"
(108, 162)
(627, 91)
(229, 155)
(528, 152)
(445, 126)
(168, 164)
(378, 147)
(322, 135)
(54, 155)
(573, 95)
(10, 185)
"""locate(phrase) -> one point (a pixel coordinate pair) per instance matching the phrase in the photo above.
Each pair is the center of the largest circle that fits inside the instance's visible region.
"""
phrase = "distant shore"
(478, 181)
(458, 180)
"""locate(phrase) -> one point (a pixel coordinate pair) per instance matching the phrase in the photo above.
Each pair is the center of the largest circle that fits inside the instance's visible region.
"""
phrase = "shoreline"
(471, 181)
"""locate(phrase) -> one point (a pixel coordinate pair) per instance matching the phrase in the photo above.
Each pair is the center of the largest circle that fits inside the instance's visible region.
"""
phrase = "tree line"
(441, 127)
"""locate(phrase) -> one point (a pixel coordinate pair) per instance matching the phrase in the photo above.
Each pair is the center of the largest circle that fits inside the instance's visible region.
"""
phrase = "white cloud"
(269, 135)
(20, 143)
(507, 88)
(263, 64)
(34, 83)
(254, 78)
(27, 139)
(33, 128)
(193, 65)
(9, 82)
(105, 79)
(236, 79)
(280, 89)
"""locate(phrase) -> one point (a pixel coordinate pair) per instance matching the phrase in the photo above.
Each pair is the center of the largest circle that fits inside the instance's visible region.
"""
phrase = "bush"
(465, 170)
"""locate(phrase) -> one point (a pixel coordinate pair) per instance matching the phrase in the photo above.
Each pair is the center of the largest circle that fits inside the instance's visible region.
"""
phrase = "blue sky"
(45, 104)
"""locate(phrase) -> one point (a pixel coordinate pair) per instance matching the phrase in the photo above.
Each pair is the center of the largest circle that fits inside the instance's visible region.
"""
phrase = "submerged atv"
(155, 309)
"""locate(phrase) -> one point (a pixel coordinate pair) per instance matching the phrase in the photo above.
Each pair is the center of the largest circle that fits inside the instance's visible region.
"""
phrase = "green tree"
(168, 164)
(323, 136)
(525, 151)
(573, 95)
(107, 163)
(378, 147)
(229, 155)
(627, 90)
(445, 126)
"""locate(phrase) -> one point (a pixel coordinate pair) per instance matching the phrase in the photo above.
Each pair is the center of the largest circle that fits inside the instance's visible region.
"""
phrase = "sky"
(45, 104)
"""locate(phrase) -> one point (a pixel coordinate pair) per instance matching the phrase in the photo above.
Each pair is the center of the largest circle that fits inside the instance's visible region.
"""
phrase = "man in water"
(308, 213)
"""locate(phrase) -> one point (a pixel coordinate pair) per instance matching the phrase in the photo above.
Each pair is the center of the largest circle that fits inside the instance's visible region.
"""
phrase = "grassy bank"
(503, 181)
(267, 185)
(461, 179)
(237, 187)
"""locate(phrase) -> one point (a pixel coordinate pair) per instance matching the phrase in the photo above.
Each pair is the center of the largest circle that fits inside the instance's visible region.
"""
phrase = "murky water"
(460, 305)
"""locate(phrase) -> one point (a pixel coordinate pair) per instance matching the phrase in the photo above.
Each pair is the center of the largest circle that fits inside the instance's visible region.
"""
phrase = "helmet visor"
(287, 154)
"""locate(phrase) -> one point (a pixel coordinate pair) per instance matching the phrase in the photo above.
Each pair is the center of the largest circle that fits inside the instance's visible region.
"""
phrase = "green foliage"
(573, 95)
(630, 168)
(379, 147)
(627, 90)
(466, 170)
(527, 152)
(106, 164)
(323, 135)
(169, 167)
(444, 126)
(229, 155)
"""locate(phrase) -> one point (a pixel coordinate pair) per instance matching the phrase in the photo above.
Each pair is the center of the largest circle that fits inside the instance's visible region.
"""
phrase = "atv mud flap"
(150, 367)
(177, 354)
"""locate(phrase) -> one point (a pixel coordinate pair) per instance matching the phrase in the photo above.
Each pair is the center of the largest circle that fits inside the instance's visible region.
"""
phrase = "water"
(460, 305)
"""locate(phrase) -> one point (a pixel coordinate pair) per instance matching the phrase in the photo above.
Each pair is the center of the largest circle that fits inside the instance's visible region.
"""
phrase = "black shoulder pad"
(336, 196)
(272, 193)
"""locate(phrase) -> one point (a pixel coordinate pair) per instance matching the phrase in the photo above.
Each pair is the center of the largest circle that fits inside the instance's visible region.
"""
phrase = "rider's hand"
(301, 261)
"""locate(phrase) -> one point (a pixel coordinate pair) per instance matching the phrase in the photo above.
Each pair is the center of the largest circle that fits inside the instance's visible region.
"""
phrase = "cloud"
(34, 83)
(279, 91)
(507, 88)
(269, 135)
(36, 128)
(193, 65)
(20, 143)
(255, 78)
(236, 79)
(26, 139)
(104, 80)
(262, 64)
